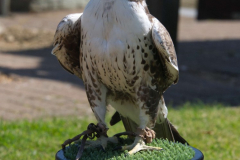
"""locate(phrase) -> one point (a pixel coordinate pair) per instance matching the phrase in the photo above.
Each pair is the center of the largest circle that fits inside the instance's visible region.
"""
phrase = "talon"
(138, 145)
(92, 131)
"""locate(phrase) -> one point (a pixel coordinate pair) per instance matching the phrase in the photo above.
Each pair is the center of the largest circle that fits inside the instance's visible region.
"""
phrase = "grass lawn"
(213, 129)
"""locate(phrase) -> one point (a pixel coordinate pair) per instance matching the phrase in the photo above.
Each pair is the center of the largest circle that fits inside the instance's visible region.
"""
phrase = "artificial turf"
(171, 151)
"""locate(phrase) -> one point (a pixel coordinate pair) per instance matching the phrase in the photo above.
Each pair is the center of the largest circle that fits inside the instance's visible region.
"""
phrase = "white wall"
(42, 5)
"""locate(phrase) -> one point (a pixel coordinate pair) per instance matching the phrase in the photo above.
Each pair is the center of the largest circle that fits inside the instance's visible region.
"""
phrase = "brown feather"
(65, 67)
(176, 135)
(67, 42)
(115, 119)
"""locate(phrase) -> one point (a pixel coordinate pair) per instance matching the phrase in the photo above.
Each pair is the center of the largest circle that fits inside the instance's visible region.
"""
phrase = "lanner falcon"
(126, 58)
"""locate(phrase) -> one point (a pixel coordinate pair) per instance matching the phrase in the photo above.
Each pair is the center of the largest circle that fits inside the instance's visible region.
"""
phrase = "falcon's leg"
(148, 102)
(96, 94)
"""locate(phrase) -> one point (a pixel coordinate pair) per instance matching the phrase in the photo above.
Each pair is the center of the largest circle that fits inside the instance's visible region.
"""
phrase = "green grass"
(171, 151)
(213, 129)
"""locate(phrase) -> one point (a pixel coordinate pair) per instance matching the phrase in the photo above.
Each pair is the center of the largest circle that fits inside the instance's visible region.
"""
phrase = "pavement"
(33, 84)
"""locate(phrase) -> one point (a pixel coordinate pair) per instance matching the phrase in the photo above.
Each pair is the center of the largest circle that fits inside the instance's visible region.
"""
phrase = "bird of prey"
(126, 58)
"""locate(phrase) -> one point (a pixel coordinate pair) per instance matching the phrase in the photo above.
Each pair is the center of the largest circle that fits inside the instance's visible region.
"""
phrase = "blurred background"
(34, 86)
(208, 55)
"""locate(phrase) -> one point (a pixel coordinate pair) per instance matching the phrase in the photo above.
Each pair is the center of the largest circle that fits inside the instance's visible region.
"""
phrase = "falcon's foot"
(139, 143)
(99, 131)
(102, 142)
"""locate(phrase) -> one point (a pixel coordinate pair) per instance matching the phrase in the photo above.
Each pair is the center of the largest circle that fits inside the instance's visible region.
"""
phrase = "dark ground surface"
(209, 72)
(33, 84)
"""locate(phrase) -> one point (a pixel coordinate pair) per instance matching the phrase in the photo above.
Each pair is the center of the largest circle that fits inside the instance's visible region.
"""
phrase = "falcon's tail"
(176, 135)
(164, 129)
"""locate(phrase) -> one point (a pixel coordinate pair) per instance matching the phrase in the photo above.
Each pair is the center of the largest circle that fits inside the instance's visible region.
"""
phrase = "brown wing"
(67, 43)
(165, 47)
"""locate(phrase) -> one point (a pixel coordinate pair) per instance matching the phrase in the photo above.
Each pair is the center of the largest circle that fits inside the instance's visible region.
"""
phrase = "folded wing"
(166, 51)
(66, 43)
